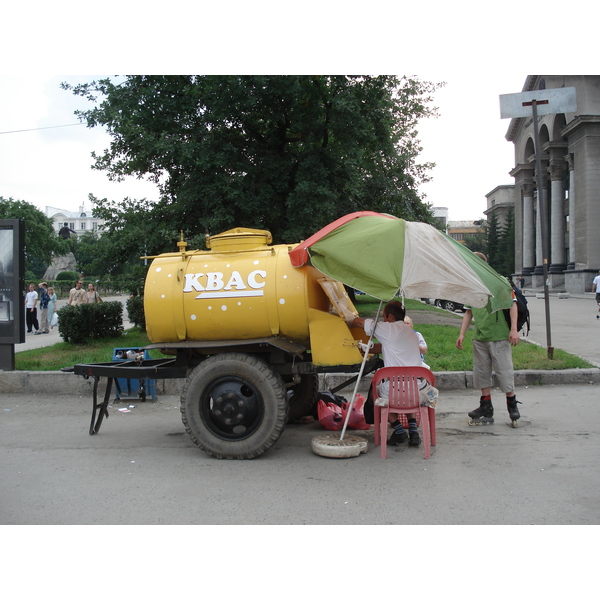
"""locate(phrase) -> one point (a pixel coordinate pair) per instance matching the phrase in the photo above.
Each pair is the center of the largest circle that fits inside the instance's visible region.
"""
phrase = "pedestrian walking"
(92, 295)
(31, 300)
(51, 305)
(44, 299)
(77, 295)
(596, 288)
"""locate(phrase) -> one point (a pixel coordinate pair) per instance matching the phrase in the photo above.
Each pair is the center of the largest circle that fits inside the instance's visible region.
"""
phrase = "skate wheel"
(483, 422)
(330, 445)
(513, 424)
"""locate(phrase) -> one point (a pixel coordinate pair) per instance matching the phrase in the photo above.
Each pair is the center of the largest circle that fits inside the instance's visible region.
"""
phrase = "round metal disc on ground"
(330, 445)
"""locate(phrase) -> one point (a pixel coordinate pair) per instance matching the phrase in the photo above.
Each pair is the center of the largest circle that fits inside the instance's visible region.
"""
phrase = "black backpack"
(522, 311)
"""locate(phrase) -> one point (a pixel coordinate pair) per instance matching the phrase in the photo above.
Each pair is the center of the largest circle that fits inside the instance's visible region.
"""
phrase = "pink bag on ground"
(357, 417)
(332, 415)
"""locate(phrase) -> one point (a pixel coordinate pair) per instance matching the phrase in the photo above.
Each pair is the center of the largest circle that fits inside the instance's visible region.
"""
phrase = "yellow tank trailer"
(249, 333)
(245, 289)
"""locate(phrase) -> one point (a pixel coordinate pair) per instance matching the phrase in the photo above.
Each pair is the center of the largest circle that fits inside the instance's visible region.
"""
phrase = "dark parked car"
(449, 305)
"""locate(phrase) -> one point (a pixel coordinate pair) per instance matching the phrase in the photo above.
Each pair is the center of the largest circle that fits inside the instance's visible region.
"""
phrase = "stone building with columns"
(570, 146)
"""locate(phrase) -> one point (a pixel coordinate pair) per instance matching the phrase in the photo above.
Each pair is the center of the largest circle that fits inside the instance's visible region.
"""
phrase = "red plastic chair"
(403, 399)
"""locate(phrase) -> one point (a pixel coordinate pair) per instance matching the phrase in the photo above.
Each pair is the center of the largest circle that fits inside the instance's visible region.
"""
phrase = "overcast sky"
(479, 58)
(51, 165)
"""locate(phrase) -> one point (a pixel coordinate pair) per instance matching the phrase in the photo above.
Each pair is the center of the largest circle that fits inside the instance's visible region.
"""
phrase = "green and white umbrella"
(385, 256)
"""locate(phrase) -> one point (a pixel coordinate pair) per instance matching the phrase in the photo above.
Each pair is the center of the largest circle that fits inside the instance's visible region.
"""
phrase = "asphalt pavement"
(571, 323)
(141, 468)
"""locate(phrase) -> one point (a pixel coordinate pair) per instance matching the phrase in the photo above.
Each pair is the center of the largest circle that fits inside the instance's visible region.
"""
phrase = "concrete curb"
(460, 380)
(57, 382)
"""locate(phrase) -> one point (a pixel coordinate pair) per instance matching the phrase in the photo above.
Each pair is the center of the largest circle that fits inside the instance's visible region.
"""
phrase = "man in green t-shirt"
(492, 341)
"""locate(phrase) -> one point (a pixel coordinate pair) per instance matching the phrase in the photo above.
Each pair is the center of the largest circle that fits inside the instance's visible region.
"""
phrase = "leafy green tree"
(479, 241)
(93, 255)
(508, 243)
(132, 232)
(41, 240)
(494, 256)
(501, 243)
(283, 153)
(109, 258)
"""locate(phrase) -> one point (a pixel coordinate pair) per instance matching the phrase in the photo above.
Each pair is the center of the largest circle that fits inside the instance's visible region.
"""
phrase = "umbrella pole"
(362, 368)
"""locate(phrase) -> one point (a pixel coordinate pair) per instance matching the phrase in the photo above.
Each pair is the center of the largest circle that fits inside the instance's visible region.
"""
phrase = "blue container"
(129, 388)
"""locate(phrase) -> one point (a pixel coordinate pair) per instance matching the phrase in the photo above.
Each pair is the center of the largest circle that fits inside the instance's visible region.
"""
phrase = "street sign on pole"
(549, 102)
(536, 103)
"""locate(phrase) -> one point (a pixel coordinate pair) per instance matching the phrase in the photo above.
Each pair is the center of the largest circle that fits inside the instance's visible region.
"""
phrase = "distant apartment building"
(462, 231)
(77, 223)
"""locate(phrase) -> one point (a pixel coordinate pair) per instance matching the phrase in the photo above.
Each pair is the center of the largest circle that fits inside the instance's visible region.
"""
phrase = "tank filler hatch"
(239, 239)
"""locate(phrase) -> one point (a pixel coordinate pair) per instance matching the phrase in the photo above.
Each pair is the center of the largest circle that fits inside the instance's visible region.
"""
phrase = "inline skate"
(513, 411)
(484, 415)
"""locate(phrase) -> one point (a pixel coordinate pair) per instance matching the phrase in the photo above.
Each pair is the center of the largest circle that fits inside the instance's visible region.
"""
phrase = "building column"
(539, 248)
(572, 240)
(539, 258)
(557, 218)
(528, 229)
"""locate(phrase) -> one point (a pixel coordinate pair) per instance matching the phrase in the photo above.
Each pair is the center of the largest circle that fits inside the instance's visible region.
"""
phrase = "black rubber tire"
(302, 397)
(439, 303)
(451, 306)
(234, 406)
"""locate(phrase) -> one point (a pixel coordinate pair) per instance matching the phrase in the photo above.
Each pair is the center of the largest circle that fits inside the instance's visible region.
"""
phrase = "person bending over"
(399, 346)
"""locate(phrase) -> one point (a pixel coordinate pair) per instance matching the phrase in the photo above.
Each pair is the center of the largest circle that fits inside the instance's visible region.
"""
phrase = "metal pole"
(544, 225)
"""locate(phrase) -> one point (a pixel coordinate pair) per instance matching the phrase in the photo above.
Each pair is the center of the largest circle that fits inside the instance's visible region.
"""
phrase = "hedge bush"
(86, 322)
(67, 276)
(135, 310)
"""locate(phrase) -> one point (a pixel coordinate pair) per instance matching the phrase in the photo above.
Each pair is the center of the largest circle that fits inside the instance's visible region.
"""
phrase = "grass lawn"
(442, 355)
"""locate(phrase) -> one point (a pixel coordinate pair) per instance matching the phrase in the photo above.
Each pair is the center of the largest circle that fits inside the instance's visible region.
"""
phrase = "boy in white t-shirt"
(399, 347)
(31, 299)
(422, 343)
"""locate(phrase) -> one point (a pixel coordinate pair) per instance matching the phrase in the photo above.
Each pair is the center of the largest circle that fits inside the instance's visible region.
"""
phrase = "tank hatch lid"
(240, 238)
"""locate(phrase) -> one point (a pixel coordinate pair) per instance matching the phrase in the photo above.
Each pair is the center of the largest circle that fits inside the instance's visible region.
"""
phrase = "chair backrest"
(403, 385)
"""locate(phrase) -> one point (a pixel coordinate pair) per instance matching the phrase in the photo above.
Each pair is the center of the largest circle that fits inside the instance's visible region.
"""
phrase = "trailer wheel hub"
(233, 409)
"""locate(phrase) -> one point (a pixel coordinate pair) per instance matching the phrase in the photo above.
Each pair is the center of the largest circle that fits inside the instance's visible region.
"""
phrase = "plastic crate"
(127, 388)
